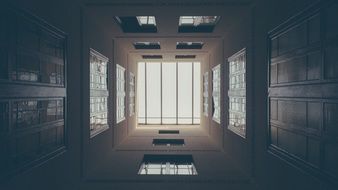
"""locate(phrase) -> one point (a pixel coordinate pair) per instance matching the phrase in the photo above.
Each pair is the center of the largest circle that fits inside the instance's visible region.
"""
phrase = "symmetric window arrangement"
(131, 94)
(167, 165)
(169, 92)
(98, 92)
(237, 93)
(120, 93)
(205, 93)
(216, 93)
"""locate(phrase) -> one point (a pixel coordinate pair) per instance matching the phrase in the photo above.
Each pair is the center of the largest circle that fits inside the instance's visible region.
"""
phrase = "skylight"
(189, 45)
(167, 165)
(197, 24)
(147, 45)
(168, 142)
(198, 20)
(137, 24)
(146, 20)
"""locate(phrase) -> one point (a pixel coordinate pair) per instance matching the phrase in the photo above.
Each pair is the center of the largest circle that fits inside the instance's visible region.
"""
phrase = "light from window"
(131, 94)
(120, 93)
(237, 93)
(146, 20)
(205, 93)
(98, 93)
(169, 92)
(167, 165)
(216, 93)
(198, 20)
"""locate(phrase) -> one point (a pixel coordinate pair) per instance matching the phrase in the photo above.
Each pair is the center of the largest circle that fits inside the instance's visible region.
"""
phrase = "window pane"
(185, 92)
(141, 92)
(169, 93)
(153, 93)
(197, 92)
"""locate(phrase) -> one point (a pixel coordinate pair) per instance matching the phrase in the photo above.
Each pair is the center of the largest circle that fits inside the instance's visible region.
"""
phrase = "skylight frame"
(146, 20)
(189, 45)
(198, 21)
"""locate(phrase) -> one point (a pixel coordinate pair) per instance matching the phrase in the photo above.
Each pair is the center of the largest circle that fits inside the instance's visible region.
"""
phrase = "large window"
(98, 93)
(237, 93)
(131, 94)
(205, 93)
(120, 93)
(169, 93)
(216, 93)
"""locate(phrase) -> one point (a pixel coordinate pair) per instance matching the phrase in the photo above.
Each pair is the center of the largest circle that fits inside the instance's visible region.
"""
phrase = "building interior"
(158, 94)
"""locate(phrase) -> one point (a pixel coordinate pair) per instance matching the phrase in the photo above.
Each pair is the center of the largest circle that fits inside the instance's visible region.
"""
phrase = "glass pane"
(197, 92)
(169, 93)
(185, 92)
(153, 92)
(141, 92)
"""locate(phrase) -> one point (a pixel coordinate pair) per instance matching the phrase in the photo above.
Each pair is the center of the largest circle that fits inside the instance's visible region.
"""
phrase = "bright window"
(142, 20)
(205, 93)
(216, 93)
(198, 20)
(237, 93)
(169, 92)
(120, 93)
(131, 94)
(98, 93)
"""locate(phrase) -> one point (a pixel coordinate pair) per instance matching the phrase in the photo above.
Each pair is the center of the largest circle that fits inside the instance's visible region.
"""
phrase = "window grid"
(167, 168)
(216, 93)
(131, 94)
(205, 93)
(193, 119)
(98, 92)
(197, 20)
(237, 93)
(120, 93)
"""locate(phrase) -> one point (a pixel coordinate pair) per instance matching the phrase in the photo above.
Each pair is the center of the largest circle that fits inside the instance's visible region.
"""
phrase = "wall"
(270, 171)
(64, 15)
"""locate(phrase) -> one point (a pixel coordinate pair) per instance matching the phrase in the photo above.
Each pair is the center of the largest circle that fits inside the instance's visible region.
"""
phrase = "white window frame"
(216, 93)
(205, 93)
(131, 94)
(98, 96)
(120, 93)
(237, 93)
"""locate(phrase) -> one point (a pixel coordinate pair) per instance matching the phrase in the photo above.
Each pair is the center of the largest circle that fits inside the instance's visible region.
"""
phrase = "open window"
(120, 93)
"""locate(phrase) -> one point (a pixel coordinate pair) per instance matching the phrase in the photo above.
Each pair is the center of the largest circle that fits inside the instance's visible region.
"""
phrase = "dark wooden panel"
(314, 115)
(314, 62)
(331, 119)
(293, 143)
(292, 39)
(313, 152)
(314, 29)
(33, 95)
(330, 158)
(331, 62)
(292, 70)
(292, 112)
(303, 61)
(331, 25)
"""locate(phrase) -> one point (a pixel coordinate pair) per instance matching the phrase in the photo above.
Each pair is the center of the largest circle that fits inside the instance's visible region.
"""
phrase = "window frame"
(216, 93)
(120, 94)
(132, 86)
(206, 93)
(98, 95)
(238, 93)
